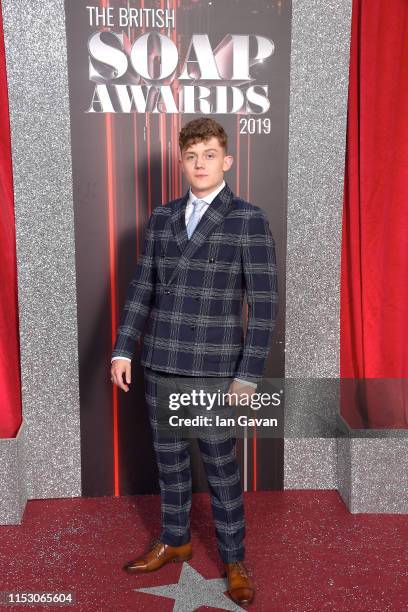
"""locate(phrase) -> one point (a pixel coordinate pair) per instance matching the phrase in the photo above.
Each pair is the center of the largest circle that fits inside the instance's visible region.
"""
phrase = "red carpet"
(305, 551)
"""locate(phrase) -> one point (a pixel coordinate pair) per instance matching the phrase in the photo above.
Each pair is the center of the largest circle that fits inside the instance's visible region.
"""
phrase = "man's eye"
(210, 155)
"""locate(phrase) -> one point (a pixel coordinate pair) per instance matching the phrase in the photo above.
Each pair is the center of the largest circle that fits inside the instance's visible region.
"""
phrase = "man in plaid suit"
(202, 254)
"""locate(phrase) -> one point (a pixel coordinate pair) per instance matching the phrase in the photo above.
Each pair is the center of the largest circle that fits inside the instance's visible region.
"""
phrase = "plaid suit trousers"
(223, 477)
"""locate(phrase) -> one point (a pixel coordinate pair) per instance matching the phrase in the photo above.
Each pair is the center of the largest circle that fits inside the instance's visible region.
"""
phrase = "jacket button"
(167, 292)
(212, 259)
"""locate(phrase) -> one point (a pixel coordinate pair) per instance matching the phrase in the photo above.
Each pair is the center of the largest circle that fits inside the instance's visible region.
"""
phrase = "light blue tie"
(195, 216)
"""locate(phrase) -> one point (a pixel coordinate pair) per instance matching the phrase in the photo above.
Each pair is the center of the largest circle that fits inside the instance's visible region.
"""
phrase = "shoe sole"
(245, 602)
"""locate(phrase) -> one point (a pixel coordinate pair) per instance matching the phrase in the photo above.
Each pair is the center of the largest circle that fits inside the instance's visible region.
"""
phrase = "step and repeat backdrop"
(137, 73)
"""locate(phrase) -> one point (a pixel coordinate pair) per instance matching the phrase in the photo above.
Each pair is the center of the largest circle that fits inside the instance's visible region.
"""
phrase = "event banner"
(138, 71)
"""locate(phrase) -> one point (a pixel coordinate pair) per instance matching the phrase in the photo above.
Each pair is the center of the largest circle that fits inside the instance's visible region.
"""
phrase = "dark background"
(123, 166)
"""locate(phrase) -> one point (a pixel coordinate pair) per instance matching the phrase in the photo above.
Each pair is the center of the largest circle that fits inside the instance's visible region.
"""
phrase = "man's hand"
(242, 391)
(120, 367)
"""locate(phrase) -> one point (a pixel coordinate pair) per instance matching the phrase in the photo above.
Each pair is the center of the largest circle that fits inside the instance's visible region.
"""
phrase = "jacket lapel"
(212, 217)
(178, 223)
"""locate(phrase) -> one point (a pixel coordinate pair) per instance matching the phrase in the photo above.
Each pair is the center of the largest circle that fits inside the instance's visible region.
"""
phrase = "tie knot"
(198, 204)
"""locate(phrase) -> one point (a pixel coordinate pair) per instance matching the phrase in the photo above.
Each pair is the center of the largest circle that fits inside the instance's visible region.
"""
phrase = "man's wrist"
(120, 357)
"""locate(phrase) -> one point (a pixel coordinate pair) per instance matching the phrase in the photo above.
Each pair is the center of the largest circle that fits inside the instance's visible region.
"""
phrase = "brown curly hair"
(202, 129)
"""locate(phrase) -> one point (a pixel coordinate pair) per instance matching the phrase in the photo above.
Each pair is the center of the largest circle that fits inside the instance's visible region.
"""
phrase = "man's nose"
(199, 162)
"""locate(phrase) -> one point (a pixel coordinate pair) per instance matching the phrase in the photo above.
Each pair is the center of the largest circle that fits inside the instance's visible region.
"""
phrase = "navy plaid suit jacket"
(190, 292)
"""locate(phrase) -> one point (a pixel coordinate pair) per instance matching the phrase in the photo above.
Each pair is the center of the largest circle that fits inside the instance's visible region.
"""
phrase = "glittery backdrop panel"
(378, 473)
(12, 478)
(317, 129)
(310, 463)
(343, 470)
(40, 128)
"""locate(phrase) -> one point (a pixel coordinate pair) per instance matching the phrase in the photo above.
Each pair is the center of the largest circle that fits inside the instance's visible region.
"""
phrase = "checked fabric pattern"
(186, 295)
(223, 477)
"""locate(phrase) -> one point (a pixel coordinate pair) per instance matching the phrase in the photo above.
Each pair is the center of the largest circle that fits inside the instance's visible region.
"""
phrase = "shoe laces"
(238, 565)
(156, 546)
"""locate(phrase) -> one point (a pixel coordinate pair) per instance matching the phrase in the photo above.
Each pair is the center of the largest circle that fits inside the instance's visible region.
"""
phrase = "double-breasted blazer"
(187, 295)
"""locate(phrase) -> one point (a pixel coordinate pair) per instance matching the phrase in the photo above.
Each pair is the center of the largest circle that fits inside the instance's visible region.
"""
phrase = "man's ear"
(228, 161)
(180, 161)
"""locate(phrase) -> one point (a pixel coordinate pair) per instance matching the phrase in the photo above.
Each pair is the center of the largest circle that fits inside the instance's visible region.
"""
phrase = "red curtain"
(10, 389)
(374, 271)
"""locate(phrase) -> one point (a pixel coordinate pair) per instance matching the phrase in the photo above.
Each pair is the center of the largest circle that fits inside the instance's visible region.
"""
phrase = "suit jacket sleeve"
(260, 272)
(139, 298)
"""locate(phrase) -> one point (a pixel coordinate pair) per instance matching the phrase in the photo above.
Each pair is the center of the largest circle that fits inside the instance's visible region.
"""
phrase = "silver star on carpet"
(193, 590)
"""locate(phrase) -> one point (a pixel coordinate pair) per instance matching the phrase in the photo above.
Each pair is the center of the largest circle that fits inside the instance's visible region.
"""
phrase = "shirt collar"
(208, 198)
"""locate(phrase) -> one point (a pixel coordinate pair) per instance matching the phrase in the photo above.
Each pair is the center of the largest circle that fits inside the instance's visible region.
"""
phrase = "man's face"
(203, 164)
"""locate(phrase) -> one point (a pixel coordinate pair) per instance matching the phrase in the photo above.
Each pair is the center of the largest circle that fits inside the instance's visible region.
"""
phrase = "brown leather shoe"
(240, 586)
(158, 555)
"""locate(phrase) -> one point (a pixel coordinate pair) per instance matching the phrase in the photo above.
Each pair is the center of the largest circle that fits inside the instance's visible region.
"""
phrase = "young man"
(202, 254)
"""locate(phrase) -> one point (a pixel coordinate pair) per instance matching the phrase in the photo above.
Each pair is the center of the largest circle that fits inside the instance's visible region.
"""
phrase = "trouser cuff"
(173, 540)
